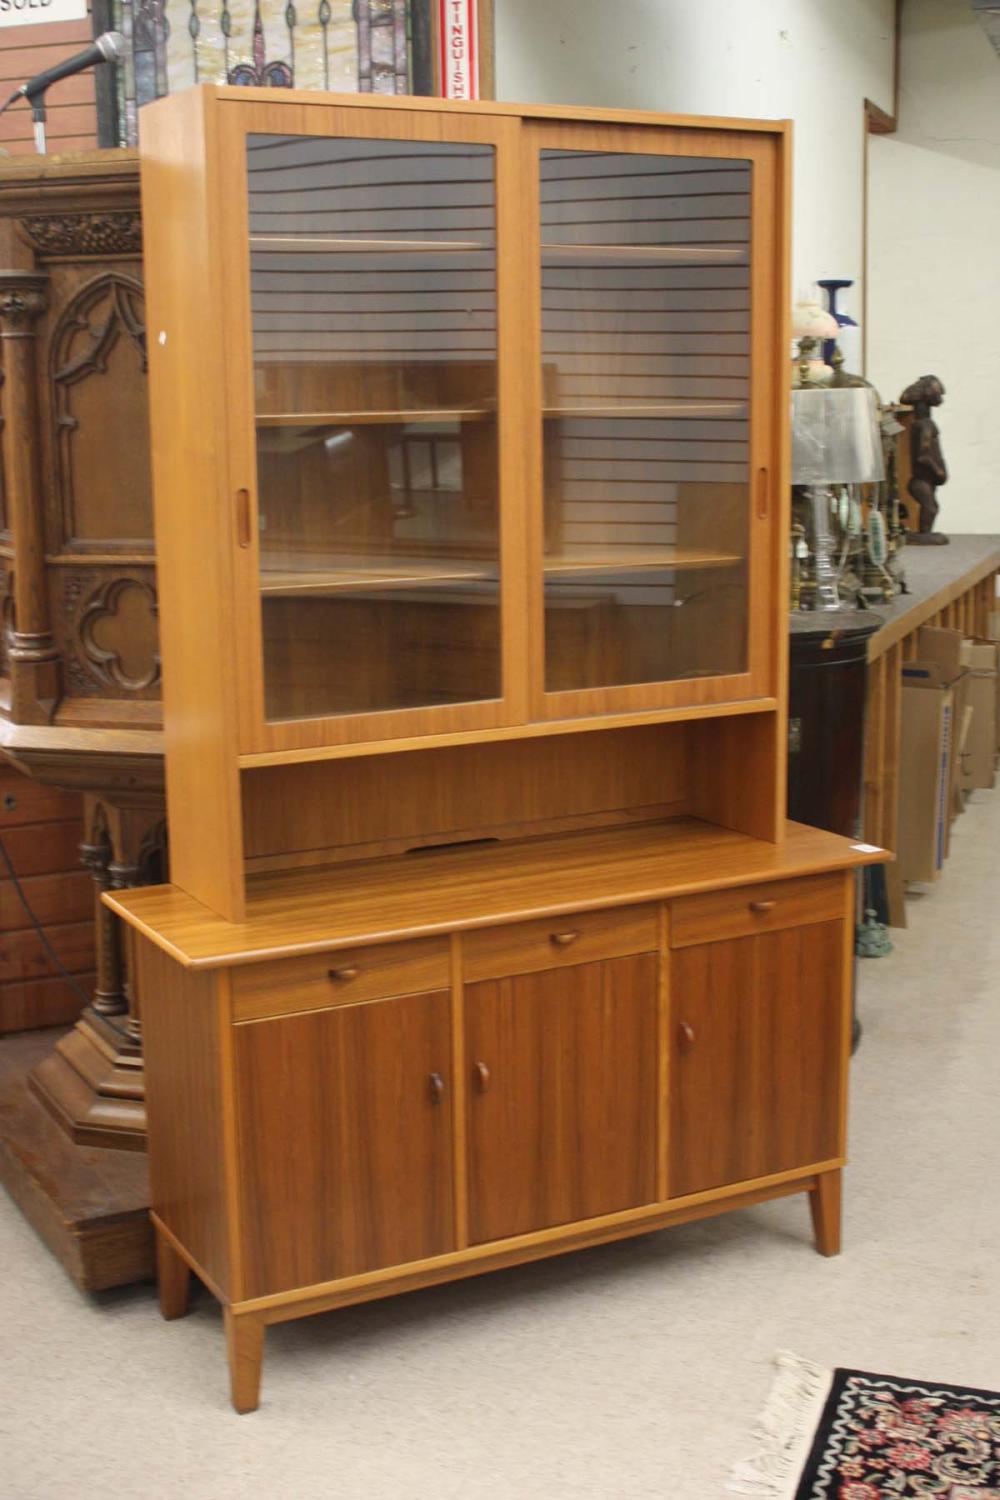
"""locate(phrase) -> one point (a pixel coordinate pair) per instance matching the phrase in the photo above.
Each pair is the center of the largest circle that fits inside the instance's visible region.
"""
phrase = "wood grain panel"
(345, 1149)
(190, 1177)
(27, 1004)
(426, 796)
(72, 110)
(799, 1019)
(712, 1129)
(576, 938)
(181, 204)
(22, 955)
(562, 1126)
(755, 908)
(41, 828)
(342, 977)
(758, 1056)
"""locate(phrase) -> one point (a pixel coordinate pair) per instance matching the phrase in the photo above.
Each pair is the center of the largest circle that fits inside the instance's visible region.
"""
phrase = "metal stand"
(38, 123)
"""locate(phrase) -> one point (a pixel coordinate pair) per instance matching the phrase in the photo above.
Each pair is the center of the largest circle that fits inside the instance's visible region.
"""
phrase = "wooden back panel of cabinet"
(345, 1125)
(562, 1114)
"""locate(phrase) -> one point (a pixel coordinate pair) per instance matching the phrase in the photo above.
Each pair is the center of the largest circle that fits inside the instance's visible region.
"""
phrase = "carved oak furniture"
(487, 937)
(79, 657)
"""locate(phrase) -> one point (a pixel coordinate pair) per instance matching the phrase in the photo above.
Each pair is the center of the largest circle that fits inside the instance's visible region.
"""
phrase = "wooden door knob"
(349, 971)
(482, 1076)
(437, 1088)
(760, 907)
(563, 939)
(685, 1035)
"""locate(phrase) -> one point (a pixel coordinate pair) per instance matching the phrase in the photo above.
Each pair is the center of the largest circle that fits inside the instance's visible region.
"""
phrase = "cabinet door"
(345, 1139)
(377, 403)
(658, 253)
(562, 1112)
(756, 1068)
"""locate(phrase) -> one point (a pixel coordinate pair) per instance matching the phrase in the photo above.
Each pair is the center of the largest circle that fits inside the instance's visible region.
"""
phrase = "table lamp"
(835, 441)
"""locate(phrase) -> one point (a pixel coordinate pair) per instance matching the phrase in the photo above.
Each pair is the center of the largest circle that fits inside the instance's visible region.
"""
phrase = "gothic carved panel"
(76, 235)
(107, 633)
(99, 402)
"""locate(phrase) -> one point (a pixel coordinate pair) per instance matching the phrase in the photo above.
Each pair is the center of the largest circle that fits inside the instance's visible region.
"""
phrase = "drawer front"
(558, 942)
(284, 986)
(755, 908)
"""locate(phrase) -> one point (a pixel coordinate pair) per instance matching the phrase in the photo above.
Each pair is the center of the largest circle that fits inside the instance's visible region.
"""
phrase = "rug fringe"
(784, 1431)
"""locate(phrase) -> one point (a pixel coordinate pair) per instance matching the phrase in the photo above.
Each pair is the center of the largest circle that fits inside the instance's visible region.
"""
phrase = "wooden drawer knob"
(437, 1088)
(685, 1035)
(482, 1076)
(759, 908)
(349, 971)
(563, 939)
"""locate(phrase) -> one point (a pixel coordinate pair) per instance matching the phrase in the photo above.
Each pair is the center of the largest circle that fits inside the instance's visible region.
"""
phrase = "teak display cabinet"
(487, 937)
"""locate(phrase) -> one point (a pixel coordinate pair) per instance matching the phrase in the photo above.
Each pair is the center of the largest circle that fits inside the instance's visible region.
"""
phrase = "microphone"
(106, 48)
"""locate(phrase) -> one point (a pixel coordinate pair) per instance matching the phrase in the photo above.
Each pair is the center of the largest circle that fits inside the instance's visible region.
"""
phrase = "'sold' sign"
(25, 12)
(459, 54)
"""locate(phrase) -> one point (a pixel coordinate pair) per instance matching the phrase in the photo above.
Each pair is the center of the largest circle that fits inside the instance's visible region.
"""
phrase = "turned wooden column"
(32, 652)
(92, 1082)
(109, 987)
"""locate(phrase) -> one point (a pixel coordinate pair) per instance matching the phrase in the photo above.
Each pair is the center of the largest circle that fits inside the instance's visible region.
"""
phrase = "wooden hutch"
(487, 937)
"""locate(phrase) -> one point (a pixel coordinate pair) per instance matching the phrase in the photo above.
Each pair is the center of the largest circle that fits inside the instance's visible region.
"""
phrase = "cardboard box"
(924, 772)
(933, 708)
(979, 658)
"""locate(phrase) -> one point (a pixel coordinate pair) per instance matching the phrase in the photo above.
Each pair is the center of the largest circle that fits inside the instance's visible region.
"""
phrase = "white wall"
(814, 61)
(934, 247)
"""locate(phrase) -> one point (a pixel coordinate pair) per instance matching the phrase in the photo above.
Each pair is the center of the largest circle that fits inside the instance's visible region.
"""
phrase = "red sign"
(459, 49)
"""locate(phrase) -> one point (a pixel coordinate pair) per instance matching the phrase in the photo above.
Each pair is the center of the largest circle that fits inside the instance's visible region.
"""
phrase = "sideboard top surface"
(436, 891)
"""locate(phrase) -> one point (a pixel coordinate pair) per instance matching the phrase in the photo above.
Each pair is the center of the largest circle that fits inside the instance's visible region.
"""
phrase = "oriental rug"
(852, 1435)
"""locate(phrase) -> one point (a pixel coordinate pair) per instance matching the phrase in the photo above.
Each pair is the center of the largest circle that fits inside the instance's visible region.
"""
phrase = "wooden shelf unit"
(475, 738)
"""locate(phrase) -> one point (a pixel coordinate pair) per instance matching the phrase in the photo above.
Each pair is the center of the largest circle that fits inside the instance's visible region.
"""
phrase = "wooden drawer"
(755, 908)
(284, 986)
(557, 942)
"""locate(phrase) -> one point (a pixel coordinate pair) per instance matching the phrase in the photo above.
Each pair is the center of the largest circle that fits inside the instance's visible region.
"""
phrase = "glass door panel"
(373, 291)
(646, 367)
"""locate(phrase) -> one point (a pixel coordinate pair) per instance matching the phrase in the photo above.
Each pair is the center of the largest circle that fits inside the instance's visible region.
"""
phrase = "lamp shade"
(835, 436)
(810, 321)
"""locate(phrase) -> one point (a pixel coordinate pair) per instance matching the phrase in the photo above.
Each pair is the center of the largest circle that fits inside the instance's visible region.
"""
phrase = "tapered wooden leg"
(245, 1343)
(173, 1277)
(824, 1201)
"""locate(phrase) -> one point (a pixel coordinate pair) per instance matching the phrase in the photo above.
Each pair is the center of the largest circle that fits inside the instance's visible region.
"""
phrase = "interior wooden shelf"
(433, 891)
(644, 561)
(353, 577)
(722, 409)
(337, 244)
(726, 255)
(372, 418)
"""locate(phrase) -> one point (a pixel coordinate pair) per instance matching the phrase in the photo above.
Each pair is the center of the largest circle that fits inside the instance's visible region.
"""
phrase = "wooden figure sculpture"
(927, 460)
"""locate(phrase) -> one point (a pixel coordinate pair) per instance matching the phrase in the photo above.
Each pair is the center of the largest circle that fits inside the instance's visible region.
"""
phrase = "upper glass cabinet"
(645, 347)
(373, 286)
(503, 405)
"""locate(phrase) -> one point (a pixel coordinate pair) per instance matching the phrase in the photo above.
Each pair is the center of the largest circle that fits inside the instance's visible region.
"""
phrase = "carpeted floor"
(634, 1370)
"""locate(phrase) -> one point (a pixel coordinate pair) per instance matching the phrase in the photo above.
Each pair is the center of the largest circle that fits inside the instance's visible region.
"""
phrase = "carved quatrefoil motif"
(118, 635)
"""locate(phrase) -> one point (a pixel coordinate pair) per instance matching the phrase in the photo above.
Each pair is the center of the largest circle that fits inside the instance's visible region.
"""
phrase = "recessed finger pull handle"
(349, 971)
(685, 1035)
(759, 908)
(437, 1088)
(482, 1076)
(563, 939)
